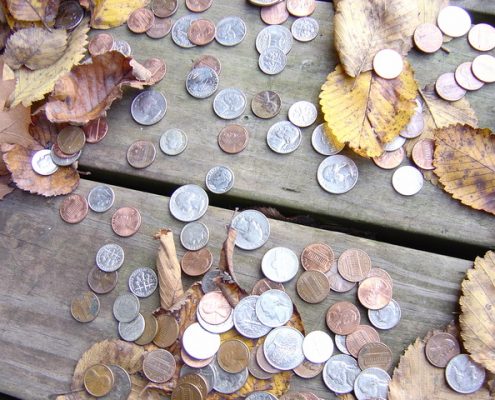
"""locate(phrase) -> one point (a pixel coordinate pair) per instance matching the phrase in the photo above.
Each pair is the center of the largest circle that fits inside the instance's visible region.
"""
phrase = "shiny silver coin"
(219, 328)
(302, 114)
(371, 383)
(283, 137)
(65, 161)
(264, 3)
(395, 144)
(202, 82)
(220, 179)
(227, 382)
(207, 283)
(148, 107)
(280, 264)
(122, 384)
(246, 321)
(340, 373)
(143, 282)
(173, 142)
(272, 61)
(230, 31)
(464, 375)
(283, 348)
(305, 29)
(274, 308)
(207, 372)
(69, 15)
(42, 163)
(110, 257)
(199, 343)
(337, 174)
(131, 331)
(386, 317)
(277, 36)
(253, 229)
(126, 307)
(180, 29)
(229, 103)
(194, 236)
(322, 144)
(317, 347)
(407, 180)
(101, 198)
(188, 203)
(261, 396)
(122, 47)
(340, 343)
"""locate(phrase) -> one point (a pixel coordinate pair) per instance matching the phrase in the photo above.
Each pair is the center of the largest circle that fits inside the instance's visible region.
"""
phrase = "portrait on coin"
(275, 309)
(173, 139)
(342, 373)
(220, 178)
(463, 374)
(249, 229)
(280, 348)
(149, 107)
(340, 174)
(189, 203)
(371, 386)
(283, 139)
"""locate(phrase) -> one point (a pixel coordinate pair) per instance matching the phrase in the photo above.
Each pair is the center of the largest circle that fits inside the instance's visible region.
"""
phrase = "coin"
(454, 21)
(415, 126)
(464, 375)
(280, 264)
(354, 265)
(388, 64)
(62, 159)
(305, 29)
(375, 354)
(207, 283)
(340, 372)
(159, 366)
(195, 263)
(126, 307)
(85, 307)
(99, 44)
(447, 87)
(164, 8)
(161, 27)
(386, 317)
(283, 348)
(253, 230)
(208, 373)
(157, 67)
(324, 144)
(229, 103)
(301, 8)
(150, 330)
(233, 138)
(122, 47)
(395, 144)
(188, 203)
(194, 362)
(148, 107)
(180, 31)
(201, 32)
(246, 321)
(207, 60)
(465, 78)
(202, 82)
(230, 31)
(101, 198)
(266, 104)
(69, 15)
(337, 283)
(217, 328)
(272, 61)
(390, 159)
(313, 286)
(317, 346)
(220, 179)
(374, 293)
(274, 14)
(198, 5)
(265, 284)
(263, 362)
(214, 309)
(284, 137)
(260, 396)
(343, 318)
(173, 142)
(199, 343)
(233, 356)
(357, 339)
(110, 257)
(168, 331)
(186, 390)
(73, 209)
(122, 384)
(381, 273)
(441, 348)
(484, 68)
(126, 221)
(276, 36)
(428, 38)
(422, 153)
(196, 380)
(141, 154)
(140, 20)
(317, 256)
(253, 366)
(143, 282)
(131, 331)
(302, 114)
(194, 236)
(98, 380)
(274, 308)
(407, 180)
(264, 3)
(371, 383)
(71, 139)
(337, 174)
(308, 369)
(102, 282)
(228, 383)
(482, 37)
(96, 130)
(340, 343)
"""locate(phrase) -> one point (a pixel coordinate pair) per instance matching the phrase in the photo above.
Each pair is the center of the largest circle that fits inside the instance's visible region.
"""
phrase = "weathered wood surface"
(45, 263)
(285, 181)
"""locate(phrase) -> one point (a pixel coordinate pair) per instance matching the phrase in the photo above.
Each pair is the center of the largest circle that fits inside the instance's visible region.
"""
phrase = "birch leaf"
(111, 13)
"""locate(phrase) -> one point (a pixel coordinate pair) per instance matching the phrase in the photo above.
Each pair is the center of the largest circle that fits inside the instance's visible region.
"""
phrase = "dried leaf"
(226, 262)
(3, 168)
(428, 10)
(111, 13)
(363, 27)
(5, 189)
(34, 10)
(465, 165)
(477, 318)
(44, 131)
(4, 33)
(368, 111)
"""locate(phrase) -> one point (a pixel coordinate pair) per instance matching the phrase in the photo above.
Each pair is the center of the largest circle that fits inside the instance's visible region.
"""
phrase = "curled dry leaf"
(465, 165)
(5, 188)
(34, 10)
(4, 34)
(368, 111)
(428, 10)
(44, 131)
(111, 13)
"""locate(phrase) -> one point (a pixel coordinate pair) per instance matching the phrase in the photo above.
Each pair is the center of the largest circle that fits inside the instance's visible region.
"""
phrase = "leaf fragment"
(111, 13)
(5, 188)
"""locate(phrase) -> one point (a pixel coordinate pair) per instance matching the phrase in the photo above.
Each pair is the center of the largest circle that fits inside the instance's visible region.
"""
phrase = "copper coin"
(168, 331)
(150, 330)
(194, 362)
(447, 87)
(301, 8)
(308, 369)
(198, 5)
(441, 348)
(233, 356)
(71, 139)
(141, 154)
(374, 293)
(140, 20)
(317, 256)
(233, 138)
(381, 273)
(164, 8)
(263, 362)
(161, 27)
(390, 159)
(195, 263)
(157, 67)
(266, 284)
(482, 37)
(159, 366)
(266, 104)
(313, 286)
(343, 318)
(214, 308)
(484, 68)
(274, 15)
(357, 339)
(96, 130)
(354, 265)
(126, 221)
(99, 44)
(85, 307)
(59, 153)
(375, 355)
(254, 368)
(201, 32)
(102, 282)
(196, 380)
(74, 209)
(98, 380)
(186, 391)
(337, 283)
(208, 61)
(428, 38)
(465, 78)
(422, 153)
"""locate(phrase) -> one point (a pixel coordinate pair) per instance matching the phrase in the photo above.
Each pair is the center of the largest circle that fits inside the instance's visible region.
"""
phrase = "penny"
(301, 8)
(317, 256)
(168, 331)
(313, 286)
(386, 317)
(464, 375)
(340, 344)
(71, 139)
(305, 29)
(380, 273)
(161, 27)
(207, 373)
(232, 139)
(202, 82)
(196, 263)
(253, 230)
(484, 68)
(194, 362)
(110, 257)
(188, 203)
(74, 209)
(302, 114)
(143, 282)
(277, 36)
(375, 354)
(207, 60)
(99, 44)
(378, 389)
(194, 236)
(274, 308)
(201, 32)
(343, 318)
(140, 20)
(218, 328)
(354, 265)
(230, 31)
(98, 380)
(101, 198)
(272, 61)
(275, 14)
(441, 348)
(280, 264)
(317, 346)
(126, 221)
(157, 67)
(447, 87)
(102, 282)
(141, 154)
(196, 380)
(229, 103)
(390, 159)
(122, 384)
(422, 153)
(254, 368)
(198, 5)
(337, 283)
(407, 180)
(96, 130)
(131, 331)
(308, 369)
(246, 321)
(148, 107)
(180, 31)
(126, 307)
(265, 284)
(465, 78)
(219, 179)
(283, 348)
(482, 37)
(266, 104)
(69, 15)
(284, 137)
(159, 366)
(186, 390)
(214, 308)
(263, 362)
(337, 174)
(357, 339)
(199, 343)
(395, 144)
(454, 21)
(323, 143)
(62, 159)
(374, 293)
(173, 141)
(164, 8)
(122, 47)
(388, 64)
(150, 330)
(233, 356)
(85, 307)
(340, 372)
(428, 38)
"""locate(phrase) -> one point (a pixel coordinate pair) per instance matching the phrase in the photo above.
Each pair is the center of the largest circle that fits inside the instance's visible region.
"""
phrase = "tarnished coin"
(464, 375)
(148, 107)
(317, 256)
(122, 47)
(276, 36)
(197, 381)
(340, 372)
(317, 346)
(395, 144)
(180, 31)
(96, 130)
(201, 32)
(280, 264)
(126, 221)
(253, 229)
(140, 20)
(198, 5)
(371, 383)
(141, 154)
(214, 309)
(122, 384)
(354, 265)
(337, 174)
(131, 331)
(143, 282)
(199, 343)
(465, 78)
(386, 317)
(161, 27)
(441, 348)
(337, 282)
(207, 283)
(357, 339)
(207, 60)
(283, 348)
(313, 286)
(261, 396)
(428, 38)
(407, 180)
(126, 307)
(340, 344)
(220, 179)
(274, 308)
(173, 141)
(98, 380)
(164, 8)
(186, 390)
(275, 14)
(110, 257)
(246, 321)
(233, 356)
(226, 382)
(73, 209)
(263, 362)
(302, 114)
(301, 8)
(283, 137)
(157, 67)
(375, 354)
(415, 126)
(202, 82)
(305, 29)
(390, 159)
(150, 330)
(208, 373)
(188, 203)
(447, 87)
(229, 103)
(168, 331)
(61, 159)
(230, 31)
(216, 328)
(69, 15)
(196, 263)
(343, 318)
(422, 153)
(266, 104)
(272, 61)
(308, 369)
(482, 37)
(99, 44)
(254, 368)
(194, 362)
(71, 139)
(454, 21)
(102, 282)
(483, 68)
(194, 236)
(233, 138)
(381, 273)
(374, 293)
(388, 64)
(265, 284)
(101, 198)
(323, 144)
(85, 307)
(159, 366)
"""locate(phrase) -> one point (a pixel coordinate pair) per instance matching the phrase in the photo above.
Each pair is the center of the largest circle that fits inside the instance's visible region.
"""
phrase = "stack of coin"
(108, 381)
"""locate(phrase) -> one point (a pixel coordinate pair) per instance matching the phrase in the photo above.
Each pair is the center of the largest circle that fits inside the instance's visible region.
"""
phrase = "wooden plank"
(45, 263)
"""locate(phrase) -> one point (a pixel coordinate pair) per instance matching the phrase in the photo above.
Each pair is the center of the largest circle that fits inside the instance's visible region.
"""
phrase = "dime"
(96, 130)
(164, 8)
(230, 31)
(232, 139)
(337, 283)
(74, 209)
(85, 307)
(308, 369)
(386, 317)
(305, 29)
(484, 68)
(207, 372)
(110, 257)
(157, 67)
(71, 139)
(357, 339)
(201, 32)
(390, 159)
(266, 284)
(340, 343)
(194, 362)
(141, 154)
(465, 78)
(272, 61)
(343, 318)
(441, 348)
(388, 64)
(280, 264)
(194, 236)
(263, 362)
(340, 372)
(122, 47)
(407, 180)
(198, 5)
(275, 14)
(313, 286)
(482, 37)
(229, 103)
(375, 354)
(317, 256)
(422, 153)
(202, 82)
(131, 331)
(323, 144)
(122, 384)
(415, 126)
(186, 390)
(246, 321)
(196, 263)
(233, 356)
(188, 203)
(126, 221)
(337, 174)
(207, 283)
(253, 229)
(69, 15)
(317, 346)
(150, 330)
(395, 144)
(126, 307)
(284, 137)
(266, 104)
(220, 179)
(180, 31)
(140, 20)
(447, 87)
(274, 36)
(207, 60)
(302, 114)
(371, 383)
(143, 282)
(261, 396)
(454, 21)
(168, 331)
(102, 282)
(354, 265)
(199, 343)
(148, 107)
(226, 382)
(98, 380)
(464, 375)
(218, 328)
(428, 38)
(101, 198)
(161, 27)
(274, 308)
(173, 142)
(253, 366)
(283, 348)
(159, 366)
(197, 381)
(99, 44)
(301, 8)
(214, 309)
(374, 293)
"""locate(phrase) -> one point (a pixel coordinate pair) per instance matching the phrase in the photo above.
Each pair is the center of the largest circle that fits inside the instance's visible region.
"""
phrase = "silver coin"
(219, 328)
(386, 317)
(302, 114)
(371, 383)
(272, 61)
(199, 343)
(194, 236)
(337, 174)
(173, 142)
(274, 36)
(101, 198)
(122, 384)
(122, 47)
(340, 373)
(274, 308)
(261, 396)
(42, 163)
(180, 29)
(305, 29)
(64, 162)
(230, 31)
(131, 331)
(207, 372)
(395, 144)
(322, 144)
(280, 264)
(126, 307)
(246, 321)
(148, 107)
(416, 125)
(464, 375)
(207, 283)
(407, 180)
(229, 103)
(202, 82)
(188, 203)
(227, 382)
(340, 343)
(70, 14)
(283, 348)
(283, 137)
(317, 346)
(143, 282)
(110, 257)
(220, 179)
(253, 229)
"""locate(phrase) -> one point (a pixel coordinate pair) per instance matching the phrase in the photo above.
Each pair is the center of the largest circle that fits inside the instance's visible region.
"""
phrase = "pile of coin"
(107, 381)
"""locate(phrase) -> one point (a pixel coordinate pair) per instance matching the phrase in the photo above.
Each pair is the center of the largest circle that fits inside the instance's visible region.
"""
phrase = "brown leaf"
(4, 34)
(107, 14)
(3, 168)
(34, 10)
(226, 262)
(5, 189)
(44, 131)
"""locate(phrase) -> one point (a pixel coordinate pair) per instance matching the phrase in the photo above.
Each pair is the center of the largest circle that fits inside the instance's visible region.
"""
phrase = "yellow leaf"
(364, 27)
(465, 165)
(34, 10)
(428, 10)
(111, 13)
(368, 111)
